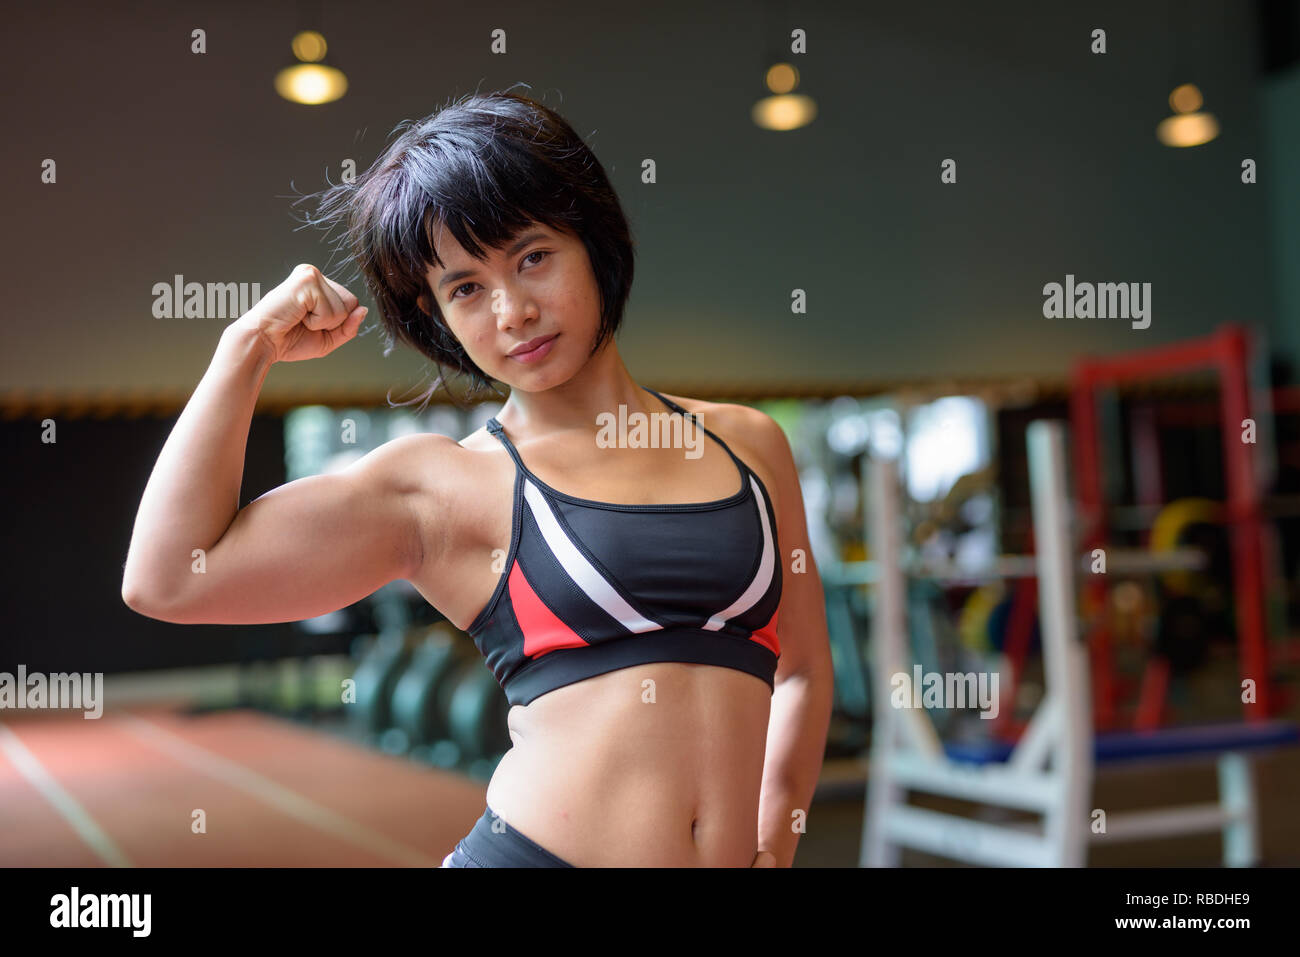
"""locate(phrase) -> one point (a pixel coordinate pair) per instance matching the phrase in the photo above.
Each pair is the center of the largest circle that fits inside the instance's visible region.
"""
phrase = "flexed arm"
(308, 547)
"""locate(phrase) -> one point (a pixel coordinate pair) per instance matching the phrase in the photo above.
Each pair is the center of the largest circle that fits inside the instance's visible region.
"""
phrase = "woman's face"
(540, 286)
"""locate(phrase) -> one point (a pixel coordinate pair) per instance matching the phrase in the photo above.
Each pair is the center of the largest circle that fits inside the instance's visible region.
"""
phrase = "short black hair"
(485, 166)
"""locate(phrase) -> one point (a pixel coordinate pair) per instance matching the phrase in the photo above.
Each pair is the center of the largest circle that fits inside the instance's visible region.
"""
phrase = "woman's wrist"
(243, 344)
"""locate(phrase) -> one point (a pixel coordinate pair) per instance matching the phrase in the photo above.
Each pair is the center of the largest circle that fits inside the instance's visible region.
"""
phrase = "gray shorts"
(503, 846)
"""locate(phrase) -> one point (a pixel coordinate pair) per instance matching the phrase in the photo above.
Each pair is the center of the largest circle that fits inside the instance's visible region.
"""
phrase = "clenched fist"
(307, 316)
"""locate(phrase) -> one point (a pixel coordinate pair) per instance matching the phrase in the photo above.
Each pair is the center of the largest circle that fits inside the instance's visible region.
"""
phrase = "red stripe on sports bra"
(766, 636)
(542, 631)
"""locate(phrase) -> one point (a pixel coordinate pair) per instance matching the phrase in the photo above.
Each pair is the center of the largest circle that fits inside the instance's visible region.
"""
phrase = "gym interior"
(1018, 281)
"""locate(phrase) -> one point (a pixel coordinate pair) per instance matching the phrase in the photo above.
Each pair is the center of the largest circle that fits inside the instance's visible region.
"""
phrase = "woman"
(660, 634)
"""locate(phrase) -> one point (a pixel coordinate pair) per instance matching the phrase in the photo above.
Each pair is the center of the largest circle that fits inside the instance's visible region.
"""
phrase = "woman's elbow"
(151, 602)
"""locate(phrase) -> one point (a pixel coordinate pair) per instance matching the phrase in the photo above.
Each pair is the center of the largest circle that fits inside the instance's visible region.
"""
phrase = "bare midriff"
(656, 765)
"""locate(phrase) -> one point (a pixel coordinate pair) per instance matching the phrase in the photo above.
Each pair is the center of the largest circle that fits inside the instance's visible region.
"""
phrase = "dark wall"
(193, 168)
(70, 507)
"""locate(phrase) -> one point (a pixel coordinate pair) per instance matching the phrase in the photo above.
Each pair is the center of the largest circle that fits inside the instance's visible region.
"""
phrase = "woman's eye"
(536, 252)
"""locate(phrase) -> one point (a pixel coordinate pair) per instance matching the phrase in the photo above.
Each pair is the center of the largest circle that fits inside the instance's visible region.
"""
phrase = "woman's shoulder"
(410, 460)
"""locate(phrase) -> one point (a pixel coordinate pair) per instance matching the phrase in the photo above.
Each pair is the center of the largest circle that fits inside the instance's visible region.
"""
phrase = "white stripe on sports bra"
(762, 578)
(583, 573)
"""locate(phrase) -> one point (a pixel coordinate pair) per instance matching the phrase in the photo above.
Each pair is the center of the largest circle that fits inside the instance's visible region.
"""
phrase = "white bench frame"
(1050, 771)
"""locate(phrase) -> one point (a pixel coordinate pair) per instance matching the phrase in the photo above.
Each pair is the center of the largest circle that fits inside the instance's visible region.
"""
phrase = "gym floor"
(124, 790)
(274, 792)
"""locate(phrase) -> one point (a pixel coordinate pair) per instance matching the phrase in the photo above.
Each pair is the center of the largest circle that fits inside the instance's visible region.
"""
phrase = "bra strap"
(495, 428)
(740, 463)
(668, 402)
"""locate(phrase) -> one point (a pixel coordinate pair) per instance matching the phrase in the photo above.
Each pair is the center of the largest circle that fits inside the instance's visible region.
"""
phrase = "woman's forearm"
(796, 745)
(193, 492)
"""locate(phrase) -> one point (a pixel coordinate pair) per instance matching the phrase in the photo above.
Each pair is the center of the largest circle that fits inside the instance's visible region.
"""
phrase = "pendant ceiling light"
(783, 109)
(309, 79)
(1188, 126)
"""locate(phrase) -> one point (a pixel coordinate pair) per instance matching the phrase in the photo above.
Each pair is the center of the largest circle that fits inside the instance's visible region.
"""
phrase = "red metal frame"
(1227, 353)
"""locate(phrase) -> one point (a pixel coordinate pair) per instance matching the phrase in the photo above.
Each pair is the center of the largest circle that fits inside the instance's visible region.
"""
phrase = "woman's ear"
(422, 301)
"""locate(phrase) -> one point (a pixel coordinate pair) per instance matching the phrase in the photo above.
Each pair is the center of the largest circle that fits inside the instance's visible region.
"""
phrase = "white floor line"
(276, 795)
(87, 829)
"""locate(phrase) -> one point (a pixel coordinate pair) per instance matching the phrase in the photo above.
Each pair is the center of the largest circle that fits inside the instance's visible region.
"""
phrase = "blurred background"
(856, 215)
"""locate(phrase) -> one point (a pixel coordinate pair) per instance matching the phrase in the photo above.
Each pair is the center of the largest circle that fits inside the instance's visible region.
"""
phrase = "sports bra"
(592, 587)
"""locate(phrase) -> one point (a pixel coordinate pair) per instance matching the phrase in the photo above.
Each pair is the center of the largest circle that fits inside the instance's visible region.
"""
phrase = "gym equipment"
(477, 714)
(851, 694)
(1022, 626)
(1131, 607)
(1193, 604)
(442, 698)
(1227, 353)
(932, 632)
(1049, 771)
(1192, 609)
(973, 622)
(999, 625)
(1184, 522)
(1183, 633)
(847, 734)
(382, 661)
(415, 693)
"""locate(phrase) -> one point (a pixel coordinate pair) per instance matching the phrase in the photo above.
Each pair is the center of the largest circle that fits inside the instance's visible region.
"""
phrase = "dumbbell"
(375, 676)
(414, 703)
(478, 714)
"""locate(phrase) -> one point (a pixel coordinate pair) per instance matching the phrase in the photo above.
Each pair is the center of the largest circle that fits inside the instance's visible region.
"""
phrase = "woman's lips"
(534, 354)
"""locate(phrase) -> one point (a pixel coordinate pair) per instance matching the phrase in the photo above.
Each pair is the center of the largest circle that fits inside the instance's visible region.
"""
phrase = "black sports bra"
(592, 587)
